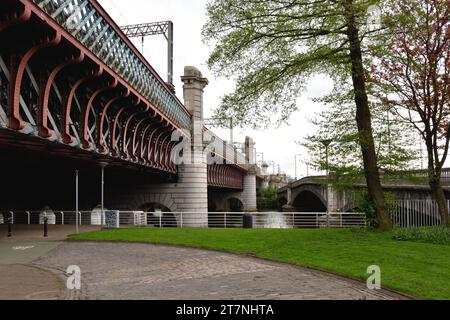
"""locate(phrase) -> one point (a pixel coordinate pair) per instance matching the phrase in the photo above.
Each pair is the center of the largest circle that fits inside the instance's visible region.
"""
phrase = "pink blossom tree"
(411, 75)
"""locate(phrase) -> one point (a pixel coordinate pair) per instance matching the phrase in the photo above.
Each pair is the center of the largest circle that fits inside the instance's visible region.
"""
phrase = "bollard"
(247, 221)
(45, 227)
(9, 227)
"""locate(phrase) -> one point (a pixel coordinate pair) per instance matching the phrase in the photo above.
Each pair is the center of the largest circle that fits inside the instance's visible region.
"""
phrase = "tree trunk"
(438, 193)
(364, 122)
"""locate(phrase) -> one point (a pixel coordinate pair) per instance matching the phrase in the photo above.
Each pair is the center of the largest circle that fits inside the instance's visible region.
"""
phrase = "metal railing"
(197, 219)
(405, 213)
(416, 213)
(294, 220)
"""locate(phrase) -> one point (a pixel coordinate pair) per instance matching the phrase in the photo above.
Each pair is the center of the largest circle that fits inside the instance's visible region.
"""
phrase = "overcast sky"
(277, 144)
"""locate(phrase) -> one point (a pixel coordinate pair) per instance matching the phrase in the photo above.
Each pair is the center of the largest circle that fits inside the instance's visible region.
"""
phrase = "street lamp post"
(296, 176)
(103, 165)
(76, 200)
(327, 143)
(296, 164)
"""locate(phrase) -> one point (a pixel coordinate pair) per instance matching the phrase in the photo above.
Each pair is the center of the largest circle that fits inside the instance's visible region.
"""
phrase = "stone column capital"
(193, 78)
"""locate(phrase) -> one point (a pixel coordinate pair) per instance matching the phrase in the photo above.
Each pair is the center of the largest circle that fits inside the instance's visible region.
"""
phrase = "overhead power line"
(155, 28)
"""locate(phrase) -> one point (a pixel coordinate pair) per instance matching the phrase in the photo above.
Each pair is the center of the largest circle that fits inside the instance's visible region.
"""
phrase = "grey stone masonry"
(190, 192)
(249, 192)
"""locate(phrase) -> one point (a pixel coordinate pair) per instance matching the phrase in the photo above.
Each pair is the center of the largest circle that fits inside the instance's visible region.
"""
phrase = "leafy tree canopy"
(271, 48)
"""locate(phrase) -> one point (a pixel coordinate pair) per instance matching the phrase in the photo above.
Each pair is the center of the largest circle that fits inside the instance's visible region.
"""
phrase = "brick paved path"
(143, 271)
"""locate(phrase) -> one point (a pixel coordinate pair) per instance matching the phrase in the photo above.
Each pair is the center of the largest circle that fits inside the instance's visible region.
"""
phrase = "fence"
(198, 219)
(405, 213)
(416, 213)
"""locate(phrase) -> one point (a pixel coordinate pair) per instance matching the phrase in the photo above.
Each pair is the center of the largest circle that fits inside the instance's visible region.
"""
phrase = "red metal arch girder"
(212, 172)
(215, 175)
(114, 124)
(160, 125)
(65, 119)
(218, 180)
(113, 129)
(209, 177)
(135, 131)
(157, 147)
(237, 179)
(126, 128)
(224, 175)
(170, 147)
(167, 147)
(229, 176)
(44, 95)
(150, 127)
(135, 143)
(161, 147)
(151, 148)
(101, 145)
(50, 22)
(84, 120)
(22, 17)
(16, 76)
(164, 150)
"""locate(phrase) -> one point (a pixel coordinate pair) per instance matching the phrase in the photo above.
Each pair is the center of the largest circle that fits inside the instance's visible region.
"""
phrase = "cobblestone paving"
(21, 282)
(142, 271)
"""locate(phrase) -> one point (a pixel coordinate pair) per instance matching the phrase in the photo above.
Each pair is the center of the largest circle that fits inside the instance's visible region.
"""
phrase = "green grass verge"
(436, 234)
(418, 269)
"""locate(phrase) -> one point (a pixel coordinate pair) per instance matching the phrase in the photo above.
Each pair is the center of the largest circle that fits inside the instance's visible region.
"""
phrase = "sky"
(277, 144)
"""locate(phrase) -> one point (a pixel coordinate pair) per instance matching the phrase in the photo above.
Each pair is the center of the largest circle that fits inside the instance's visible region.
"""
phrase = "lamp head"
(326, 142)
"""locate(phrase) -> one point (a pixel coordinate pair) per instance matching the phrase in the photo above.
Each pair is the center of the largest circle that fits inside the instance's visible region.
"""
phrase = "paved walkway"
(19, 278)
(33, 267)
(142, 271)
(35, 232)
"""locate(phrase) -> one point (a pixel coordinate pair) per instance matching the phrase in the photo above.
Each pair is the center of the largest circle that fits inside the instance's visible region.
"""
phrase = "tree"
(273, 47)
(411, 74)
(267, 199)
(395, 144)
(395, 140)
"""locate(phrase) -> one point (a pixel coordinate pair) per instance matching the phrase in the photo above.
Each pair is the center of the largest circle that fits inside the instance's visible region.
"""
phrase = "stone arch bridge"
(310, 194)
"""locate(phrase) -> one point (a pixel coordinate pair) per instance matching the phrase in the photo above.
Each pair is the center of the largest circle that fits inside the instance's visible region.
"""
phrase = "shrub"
(437, 234)
(267, 199)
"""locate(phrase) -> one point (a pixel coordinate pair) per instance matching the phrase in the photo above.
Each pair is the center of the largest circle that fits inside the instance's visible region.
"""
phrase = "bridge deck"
(71, 83)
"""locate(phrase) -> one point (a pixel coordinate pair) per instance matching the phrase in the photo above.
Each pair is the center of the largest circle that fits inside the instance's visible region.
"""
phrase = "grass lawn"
(419, 269)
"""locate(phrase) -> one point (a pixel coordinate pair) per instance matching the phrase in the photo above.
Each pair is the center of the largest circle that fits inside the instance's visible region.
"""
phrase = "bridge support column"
(193, 176)
(333, 200)
(289, 196)
(190, 193)
(249, 192)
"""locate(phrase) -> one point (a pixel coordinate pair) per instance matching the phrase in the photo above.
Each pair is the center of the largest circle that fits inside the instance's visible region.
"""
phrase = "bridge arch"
(146, 202)
(309, 199)
(226, 202)
(234, 204)
(282, 201)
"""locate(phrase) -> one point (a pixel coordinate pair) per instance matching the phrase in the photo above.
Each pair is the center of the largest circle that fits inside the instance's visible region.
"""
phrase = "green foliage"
(364, 204)
(437, 234)
(394, 140)
(272, 48)
(269, 192)
(267, 199)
